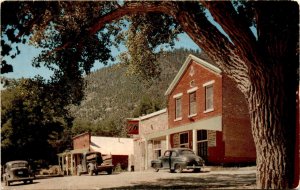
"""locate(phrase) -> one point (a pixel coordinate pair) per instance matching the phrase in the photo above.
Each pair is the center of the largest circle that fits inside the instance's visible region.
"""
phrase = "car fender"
(156, 162)
(183, 164)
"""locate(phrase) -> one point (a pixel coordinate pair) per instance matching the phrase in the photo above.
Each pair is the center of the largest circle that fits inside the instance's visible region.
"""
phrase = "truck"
(93, 163)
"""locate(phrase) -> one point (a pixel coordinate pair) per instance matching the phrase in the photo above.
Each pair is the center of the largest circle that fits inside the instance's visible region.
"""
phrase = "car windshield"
(18, 165)
(186, 152)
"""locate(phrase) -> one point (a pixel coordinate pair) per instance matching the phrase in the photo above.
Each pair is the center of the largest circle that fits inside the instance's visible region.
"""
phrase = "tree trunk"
(272, 106)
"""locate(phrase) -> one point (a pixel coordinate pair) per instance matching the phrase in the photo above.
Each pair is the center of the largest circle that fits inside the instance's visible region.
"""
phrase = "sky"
(22, 63)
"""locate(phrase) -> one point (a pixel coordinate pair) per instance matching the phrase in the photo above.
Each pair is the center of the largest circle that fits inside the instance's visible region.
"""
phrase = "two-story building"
(208, 114)
(205, 112)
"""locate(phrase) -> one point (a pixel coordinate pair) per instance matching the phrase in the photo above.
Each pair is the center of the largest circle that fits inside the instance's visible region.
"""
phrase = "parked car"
(93, 163)
(17, 171)
(178, 159)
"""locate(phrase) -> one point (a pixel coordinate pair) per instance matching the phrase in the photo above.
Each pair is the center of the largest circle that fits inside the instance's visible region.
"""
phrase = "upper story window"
(192, 104)
(209, 96)
(178, 111)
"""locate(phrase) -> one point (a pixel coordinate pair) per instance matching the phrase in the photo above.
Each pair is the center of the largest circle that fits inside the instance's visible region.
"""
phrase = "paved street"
(241, 178)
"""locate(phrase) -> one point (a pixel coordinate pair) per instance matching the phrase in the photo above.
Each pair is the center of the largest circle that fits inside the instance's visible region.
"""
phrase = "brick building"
(208, 114)
(205, 112)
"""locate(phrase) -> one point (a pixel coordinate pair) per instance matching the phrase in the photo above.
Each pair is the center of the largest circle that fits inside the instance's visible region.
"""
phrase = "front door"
(166, 159)
(202, 144)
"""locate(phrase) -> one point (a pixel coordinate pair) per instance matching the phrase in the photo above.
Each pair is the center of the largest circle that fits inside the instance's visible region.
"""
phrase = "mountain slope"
(111, 96)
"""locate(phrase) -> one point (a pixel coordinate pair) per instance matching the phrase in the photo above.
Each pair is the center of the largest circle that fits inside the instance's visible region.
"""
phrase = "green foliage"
(111, 95)
(34, 121)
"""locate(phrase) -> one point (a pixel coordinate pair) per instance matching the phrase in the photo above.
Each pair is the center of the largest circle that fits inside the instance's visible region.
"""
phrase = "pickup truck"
(93, 163)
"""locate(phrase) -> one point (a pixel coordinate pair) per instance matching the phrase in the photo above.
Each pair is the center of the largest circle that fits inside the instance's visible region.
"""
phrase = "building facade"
(118, 150)
(205, 112)
(148, 143)
(208, 114)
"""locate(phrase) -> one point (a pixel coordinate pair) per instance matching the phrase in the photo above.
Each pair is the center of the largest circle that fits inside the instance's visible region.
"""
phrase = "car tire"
(6, 183)
(24, 181)
(109, 171)
(178, 168)
(156, 167)
(197, 170)
(31, 182)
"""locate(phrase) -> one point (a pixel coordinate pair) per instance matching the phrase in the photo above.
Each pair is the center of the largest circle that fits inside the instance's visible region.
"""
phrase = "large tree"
(263, 62)
(35, 124)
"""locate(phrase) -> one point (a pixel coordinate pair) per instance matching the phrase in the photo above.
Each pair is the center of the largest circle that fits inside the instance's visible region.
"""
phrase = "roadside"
(211, 177)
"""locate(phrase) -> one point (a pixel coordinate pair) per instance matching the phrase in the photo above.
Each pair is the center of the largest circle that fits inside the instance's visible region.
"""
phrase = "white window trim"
(178, 119)
(192, 90)
(205, 85)
(209, 83)
(208, 110)
(193, 115)
(177, 95)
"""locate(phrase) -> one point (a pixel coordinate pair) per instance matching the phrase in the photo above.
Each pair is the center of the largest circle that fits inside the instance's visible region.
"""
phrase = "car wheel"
(6, 182)
(30, 181)
(178, 168)
(197, 170)
(156, 167)
(109, 171)
(90, 171)
(25, 182)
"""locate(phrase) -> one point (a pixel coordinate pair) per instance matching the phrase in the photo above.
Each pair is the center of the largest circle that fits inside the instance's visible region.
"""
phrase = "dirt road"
(223, 178)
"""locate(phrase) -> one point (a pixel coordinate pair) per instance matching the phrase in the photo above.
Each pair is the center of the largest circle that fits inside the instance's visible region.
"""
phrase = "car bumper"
(21, 179)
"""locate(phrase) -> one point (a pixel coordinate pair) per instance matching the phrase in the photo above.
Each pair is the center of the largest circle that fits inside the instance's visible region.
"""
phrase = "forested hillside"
(111, 96)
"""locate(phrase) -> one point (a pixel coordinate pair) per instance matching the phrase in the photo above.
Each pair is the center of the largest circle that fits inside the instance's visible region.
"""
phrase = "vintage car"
(17, 171)
(178, 159)
(93, 163)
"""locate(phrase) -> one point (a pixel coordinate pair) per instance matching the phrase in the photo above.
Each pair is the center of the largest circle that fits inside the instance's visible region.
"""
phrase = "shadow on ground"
(227, 181)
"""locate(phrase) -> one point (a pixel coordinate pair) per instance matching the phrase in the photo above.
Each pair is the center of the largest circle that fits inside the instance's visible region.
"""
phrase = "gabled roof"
(185, 66)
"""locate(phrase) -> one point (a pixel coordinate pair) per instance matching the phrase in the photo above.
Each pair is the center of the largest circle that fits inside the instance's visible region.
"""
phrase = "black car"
(17, 171)
(178, 159)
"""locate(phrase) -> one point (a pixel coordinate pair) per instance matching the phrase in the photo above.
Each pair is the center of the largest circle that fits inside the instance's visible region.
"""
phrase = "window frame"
(188, 140)
(194, 104)
(207, 86)
(178, 113)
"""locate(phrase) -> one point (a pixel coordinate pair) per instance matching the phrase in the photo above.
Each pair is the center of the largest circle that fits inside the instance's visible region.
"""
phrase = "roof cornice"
(185, 66)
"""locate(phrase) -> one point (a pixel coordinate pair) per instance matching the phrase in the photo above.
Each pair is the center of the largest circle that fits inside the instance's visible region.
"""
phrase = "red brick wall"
(82, 141)
(237, 134)
(216, 154)
(200, 77)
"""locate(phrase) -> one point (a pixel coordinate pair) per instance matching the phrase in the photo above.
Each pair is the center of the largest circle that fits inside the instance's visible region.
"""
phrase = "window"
(157, 149)
(202, 143)
(178, 108)
(209, 98)
(193, 105)
(184, 140)
(167, 153)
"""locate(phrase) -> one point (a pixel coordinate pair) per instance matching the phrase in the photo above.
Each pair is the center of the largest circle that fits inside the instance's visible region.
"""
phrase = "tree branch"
(236, 28)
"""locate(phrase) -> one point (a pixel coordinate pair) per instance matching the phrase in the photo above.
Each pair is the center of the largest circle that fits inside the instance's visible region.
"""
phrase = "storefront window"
(157, 149)
(184, 140)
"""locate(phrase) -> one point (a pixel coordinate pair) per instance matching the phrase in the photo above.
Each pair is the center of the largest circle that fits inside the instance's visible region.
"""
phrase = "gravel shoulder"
(211, 177)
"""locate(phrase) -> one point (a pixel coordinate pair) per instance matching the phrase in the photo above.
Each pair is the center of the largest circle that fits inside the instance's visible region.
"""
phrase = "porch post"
(195, 141)
(168, 142)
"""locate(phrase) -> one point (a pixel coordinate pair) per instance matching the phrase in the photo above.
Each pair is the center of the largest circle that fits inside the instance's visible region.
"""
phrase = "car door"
(165, 159)
(173, 158)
